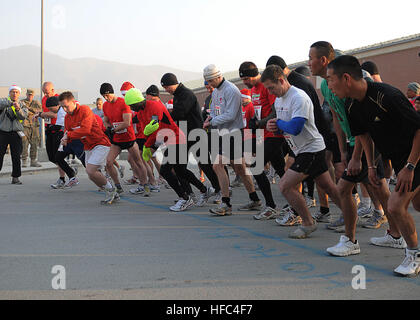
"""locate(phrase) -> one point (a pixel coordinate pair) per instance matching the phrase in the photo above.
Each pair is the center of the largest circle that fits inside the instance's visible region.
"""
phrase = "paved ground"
(138, 250)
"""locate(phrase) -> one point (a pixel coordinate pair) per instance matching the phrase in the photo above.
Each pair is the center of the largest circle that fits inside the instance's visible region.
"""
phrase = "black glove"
(254, 124)
(110, 133)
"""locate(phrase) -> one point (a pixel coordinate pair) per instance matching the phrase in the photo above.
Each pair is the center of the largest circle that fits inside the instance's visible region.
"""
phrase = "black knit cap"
(52, 102)
(106, 88)
(153, 91)
(370, 67)
(278, 61)
(304, 70)
(168, 79)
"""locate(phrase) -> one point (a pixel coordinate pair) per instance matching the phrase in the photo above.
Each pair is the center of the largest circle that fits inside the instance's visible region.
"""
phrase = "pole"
(42, 72)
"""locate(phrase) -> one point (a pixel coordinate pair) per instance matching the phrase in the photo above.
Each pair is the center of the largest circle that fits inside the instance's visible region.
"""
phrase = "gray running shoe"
(322, 218)
(303, 232)
(337, 223)
(58, 185)
(222, 210)
(251, 206)
(375, 221)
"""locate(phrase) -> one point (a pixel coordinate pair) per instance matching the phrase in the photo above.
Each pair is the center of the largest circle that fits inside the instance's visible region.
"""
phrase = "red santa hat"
(125, 87)
(170, 104)
(15, 87)
(246, 94)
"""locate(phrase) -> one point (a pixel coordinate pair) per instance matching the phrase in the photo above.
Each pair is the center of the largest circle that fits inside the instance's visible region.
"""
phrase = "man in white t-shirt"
(295, 120)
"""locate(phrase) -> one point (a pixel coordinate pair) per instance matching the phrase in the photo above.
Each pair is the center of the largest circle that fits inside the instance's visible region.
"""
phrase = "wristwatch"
(410, 166)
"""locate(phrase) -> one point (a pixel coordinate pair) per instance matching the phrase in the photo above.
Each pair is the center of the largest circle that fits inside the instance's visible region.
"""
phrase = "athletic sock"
(324, 210)
(227, 201)
(108, 186)
(118, 185)
(253, 196)
(63, 179)
(387, 181)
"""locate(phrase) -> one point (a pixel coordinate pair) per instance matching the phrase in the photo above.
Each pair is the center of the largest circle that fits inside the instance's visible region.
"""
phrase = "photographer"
(12, 114)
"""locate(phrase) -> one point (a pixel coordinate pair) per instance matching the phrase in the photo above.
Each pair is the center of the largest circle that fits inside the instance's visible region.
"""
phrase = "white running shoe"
(58, 185)
(310, 202)
(389, 241)
(182, 205)
(72, 183)
(204, 197)
(155, 188)
(266, 214)
(363, 211)
(121, 171)
(251, 206)
(221, 210)
(320, 217)
(344, 248)
(138, 190)
(410, 267)
(289, 219)
(110, 196)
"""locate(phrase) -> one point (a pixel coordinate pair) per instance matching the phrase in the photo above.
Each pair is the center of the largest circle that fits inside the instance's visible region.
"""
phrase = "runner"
(295, 119)
(226, 116)
(160, 129)
(380, 114)
(117, 119)
(186, 109)
(263, 103)
(81, 124)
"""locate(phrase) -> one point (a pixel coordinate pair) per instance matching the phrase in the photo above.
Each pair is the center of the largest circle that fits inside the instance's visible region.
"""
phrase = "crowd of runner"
(362, 138)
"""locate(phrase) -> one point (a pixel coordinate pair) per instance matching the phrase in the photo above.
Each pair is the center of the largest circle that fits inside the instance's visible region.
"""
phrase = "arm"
(294, 126)
(263, 122)
(126, 122)
(233, 103)
(367, 145)
(21, 111)
(106, 122)
(49, 114)
(85, 127)
(341, 137)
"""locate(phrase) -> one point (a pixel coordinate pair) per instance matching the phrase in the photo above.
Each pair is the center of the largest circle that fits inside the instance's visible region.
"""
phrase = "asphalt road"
(137, 249)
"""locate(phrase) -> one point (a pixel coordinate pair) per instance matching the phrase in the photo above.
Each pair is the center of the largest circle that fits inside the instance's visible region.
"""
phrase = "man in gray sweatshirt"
(12, 114)
(226, 117)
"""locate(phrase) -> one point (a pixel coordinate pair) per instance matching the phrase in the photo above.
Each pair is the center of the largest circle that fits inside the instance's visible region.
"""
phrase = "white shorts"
(97, 156)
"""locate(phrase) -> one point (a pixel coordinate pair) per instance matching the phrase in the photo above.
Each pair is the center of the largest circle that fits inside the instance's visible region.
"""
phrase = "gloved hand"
(151, 127)
(147, 153)
(109, 133)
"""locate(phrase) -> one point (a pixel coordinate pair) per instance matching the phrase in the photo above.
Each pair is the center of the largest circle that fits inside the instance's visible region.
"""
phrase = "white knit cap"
(15, 87)
(211, 72)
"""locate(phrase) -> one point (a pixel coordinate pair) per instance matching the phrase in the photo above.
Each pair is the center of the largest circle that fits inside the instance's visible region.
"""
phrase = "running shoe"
(121, 171)
(322, 217)
(222, 210)
(303, 232)
(344, 248)
(155, 188)
(182, 205)
(16, 181)
(336, 223)
(236, 183)
(266, 214)
(389, 241)
(205, 196)
(58, 185)
(289, 219)
(410, 267)
(310, 202)
(72, 183)
(363, 211)
(376, 220)
(110, 196)
(120, 190)
(218, 198)
(144, 190)
(251, 206)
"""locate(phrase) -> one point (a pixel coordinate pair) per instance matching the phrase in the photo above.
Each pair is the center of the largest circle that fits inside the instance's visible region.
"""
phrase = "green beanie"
(133, 96)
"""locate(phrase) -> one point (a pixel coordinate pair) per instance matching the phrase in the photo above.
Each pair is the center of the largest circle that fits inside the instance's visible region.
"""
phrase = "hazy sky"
(190, 34)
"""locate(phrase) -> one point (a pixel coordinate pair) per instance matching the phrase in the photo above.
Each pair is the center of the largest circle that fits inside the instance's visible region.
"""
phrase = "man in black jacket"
(186, 108)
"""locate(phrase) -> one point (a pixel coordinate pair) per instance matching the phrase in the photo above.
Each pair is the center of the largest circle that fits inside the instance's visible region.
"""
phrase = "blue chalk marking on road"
(298, 267)
(217, 233)
(257, 251)
(293, 243)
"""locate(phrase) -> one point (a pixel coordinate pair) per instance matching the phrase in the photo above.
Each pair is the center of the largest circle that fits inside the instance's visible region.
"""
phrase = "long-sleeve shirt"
(10, 118)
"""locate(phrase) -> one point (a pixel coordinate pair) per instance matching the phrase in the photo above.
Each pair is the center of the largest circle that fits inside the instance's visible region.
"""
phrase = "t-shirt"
(98, 112)
(262, 101)
(296, 103)
(387, 115)
(47, 121)
(61, 114)
(339, 106)
(114, 112)
(82, 125)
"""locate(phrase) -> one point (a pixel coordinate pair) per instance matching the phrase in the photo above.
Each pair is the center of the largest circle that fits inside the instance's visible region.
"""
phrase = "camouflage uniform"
(31, 130)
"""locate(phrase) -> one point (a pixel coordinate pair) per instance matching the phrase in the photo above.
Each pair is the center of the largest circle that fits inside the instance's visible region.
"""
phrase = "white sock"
(387, 181)
(366, 201)
(108, 186)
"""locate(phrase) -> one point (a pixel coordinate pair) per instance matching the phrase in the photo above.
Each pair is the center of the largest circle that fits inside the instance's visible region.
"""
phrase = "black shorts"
(331, 143)
(141, 143)
(311, 164)
(399, 164)
(231, 145)
(363, 176)
(124, 145)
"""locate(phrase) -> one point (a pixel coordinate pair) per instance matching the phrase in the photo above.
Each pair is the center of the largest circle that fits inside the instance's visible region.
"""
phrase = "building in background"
(4, 92)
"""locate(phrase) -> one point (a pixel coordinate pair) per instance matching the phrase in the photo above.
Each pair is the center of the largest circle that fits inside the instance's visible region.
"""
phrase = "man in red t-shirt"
(263, 103)
(80, 123)
(118, 121)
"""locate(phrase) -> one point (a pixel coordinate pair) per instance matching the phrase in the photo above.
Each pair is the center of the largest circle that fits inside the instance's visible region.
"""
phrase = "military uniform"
(31, 130)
